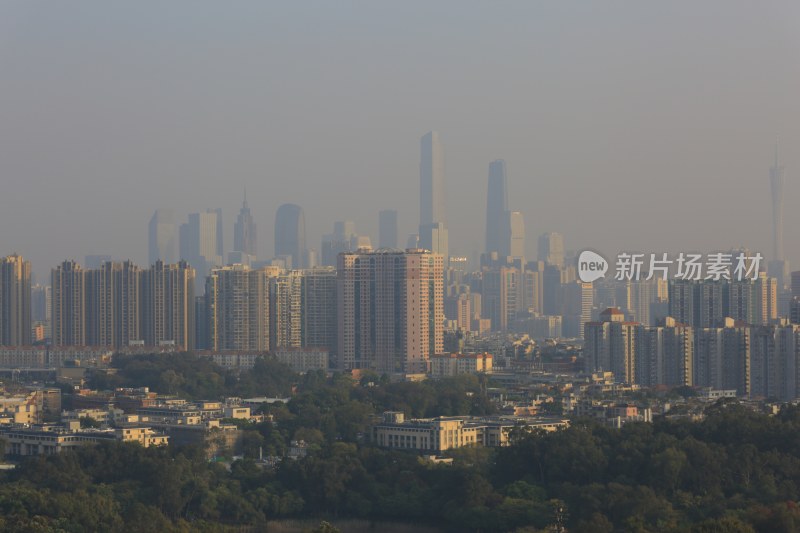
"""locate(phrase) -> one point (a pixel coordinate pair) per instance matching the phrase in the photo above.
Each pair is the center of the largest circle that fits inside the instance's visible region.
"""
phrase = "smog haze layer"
(624, 125)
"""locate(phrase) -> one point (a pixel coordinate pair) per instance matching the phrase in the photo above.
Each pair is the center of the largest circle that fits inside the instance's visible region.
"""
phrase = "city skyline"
(97, 129)
(160, 243)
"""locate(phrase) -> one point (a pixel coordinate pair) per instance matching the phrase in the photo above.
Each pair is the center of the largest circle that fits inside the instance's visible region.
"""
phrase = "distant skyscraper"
(244, 231)
(778, 267)
(514, 236)
(201, 240)
(220, 233)
(162, 237)
(795, 284)
(290, 234)
(387, 230)
(496, 207)
(40, 306)
(776, 181)
(432, 217)
(434, 237)
(551, 249)
(343, 239)
(431, 178)
(15, 301)
(500, 296)
(390, 310)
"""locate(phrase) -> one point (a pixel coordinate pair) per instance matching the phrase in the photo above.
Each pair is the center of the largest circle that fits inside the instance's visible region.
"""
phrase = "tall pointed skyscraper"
(496, 207)
(776, 182)
(244, 231)
(432, 217)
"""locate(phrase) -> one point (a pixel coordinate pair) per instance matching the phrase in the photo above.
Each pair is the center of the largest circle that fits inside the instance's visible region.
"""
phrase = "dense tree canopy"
(735, 471)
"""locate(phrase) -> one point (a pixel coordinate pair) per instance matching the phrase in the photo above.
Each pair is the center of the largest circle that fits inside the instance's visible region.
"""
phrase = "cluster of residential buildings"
(758, 361)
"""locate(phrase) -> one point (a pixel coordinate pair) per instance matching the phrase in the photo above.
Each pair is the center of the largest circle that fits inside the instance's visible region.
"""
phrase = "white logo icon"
(591, 266)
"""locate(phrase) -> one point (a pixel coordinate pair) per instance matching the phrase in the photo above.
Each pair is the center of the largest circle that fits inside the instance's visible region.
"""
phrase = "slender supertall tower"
(244, 231)
(776, 182)
(432, 217)
(431, 180)
(496, 206)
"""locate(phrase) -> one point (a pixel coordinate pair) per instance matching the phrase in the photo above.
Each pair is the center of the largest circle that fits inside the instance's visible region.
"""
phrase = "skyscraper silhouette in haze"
(496, 207)
(431, 180)
(432, 216)
(162, 237)
(551, 249)
(201, 242)
(290, 234)
(776, 182)
(244, 231)
(514, 235)
(387, 229)
(777, 267)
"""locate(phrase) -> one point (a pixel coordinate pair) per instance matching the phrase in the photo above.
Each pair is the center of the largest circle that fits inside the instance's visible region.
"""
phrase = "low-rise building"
(446, 433)
(102, 416)
(51, 356)
(233, 359)
(143, 435)
(217, 438)
(22, 407)
(453, 364)
(24, 440)
(302, 360)
(612, 413)
(236, 411)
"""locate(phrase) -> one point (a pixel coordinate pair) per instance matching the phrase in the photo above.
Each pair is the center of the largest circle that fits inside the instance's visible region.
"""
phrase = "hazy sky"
(641, 125)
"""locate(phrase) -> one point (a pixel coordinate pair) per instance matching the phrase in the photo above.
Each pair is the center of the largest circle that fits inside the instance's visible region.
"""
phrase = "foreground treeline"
(737, 471)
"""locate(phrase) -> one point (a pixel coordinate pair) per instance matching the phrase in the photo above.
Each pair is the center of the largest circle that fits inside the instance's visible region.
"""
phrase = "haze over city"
(623, 125)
